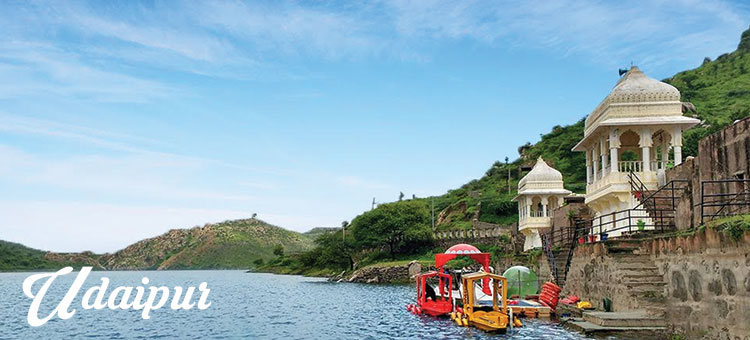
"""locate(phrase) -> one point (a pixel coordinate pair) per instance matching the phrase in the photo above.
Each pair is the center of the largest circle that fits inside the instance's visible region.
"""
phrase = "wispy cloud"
(657, 32)
(42, 69)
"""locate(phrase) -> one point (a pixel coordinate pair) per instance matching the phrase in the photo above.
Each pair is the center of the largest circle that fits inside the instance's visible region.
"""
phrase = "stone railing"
(483, 230)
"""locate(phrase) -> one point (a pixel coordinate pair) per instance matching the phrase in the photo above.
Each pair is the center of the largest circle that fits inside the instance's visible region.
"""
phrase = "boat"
(428, 301)
(490, 318)
(439, 300)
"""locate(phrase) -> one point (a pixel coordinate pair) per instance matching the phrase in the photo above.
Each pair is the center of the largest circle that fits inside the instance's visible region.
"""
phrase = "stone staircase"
(660, 204)
(561, 256)
(606, 322)
(640, 277)
(641, 306)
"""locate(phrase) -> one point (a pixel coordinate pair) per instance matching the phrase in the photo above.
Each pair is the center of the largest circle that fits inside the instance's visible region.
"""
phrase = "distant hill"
(315, 232)
(14, 256)
(230, 244)
(225, 245)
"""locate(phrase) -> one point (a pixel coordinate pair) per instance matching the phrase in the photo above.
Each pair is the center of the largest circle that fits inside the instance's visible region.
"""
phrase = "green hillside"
(14, 256)
(225, 245)
(720, 91)
(230, 244)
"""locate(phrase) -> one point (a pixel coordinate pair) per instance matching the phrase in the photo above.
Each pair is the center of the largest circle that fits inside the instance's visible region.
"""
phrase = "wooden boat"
(487, 318)
(429, 301)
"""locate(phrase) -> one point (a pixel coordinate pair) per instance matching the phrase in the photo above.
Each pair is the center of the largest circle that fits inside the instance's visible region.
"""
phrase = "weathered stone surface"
(707, 295)
(722, 155)
(384, 274)
(414, 268)
(721, 307)
(678, 286)
(730, 283)
(715, 287)
(696, 289)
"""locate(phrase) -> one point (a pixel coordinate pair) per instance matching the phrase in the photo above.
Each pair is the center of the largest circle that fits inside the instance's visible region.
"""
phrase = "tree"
(402, 227)
(278, 250)
(331, 252)
(258, 262)
(400, 195)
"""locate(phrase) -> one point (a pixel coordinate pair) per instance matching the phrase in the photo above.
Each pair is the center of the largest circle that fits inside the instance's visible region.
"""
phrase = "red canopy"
(470, 251)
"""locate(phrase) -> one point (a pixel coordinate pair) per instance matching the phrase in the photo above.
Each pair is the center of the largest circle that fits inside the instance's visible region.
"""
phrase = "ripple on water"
(258, 306)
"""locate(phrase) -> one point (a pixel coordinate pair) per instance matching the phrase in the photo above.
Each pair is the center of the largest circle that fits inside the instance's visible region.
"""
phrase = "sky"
(120, 120)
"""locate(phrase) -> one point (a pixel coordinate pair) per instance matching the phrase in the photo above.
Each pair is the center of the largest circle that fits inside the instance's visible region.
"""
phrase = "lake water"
(246, 306)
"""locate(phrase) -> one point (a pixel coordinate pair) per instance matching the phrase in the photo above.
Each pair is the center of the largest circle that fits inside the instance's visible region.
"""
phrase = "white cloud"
(40, 69)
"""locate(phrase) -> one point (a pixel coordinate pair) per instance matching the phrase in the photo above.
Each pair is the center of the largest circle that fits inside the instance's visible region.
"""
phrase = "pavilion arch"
(662, 140)
(552, 203)
(536, 204)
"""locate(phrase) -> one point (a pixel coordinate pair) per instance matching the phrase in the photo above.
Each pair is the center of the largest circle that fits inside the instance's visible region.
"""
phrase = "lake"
(257, 306)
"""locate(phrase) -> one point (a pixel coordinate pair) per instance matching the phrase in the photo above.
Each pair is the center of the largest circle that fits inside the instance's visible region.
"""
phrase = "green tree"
(278, 250)
(402, 227)
(332, 252)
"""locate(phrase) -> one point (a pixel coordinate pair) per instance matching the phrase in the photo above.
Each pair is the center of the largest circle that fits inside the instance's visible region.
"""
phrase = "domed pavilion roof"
(637, 100)
(542, 179)
(636, 86)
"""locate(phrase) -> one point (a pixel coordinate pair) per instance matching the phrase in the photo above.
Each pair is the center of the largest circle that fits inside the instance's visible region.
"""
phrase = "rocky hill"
(225, 245)
(230, 244)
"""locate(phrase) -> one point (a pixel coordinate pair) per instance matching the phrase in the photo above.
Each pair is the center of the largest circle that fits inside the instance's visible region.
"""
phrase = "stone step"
(590, 328)
(649, 297)
(642, 277)
(638, 318)
(656, 311)
(633, 258)
(633, 265)
(656, 284)
(635, 287)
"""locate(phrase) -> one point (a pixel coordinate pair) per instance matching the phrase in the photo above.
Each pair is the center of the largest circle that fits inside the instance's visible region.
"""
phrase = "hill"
(719, 90)
(315, 232)
(225, 245)
(230, 244)
(14, 256)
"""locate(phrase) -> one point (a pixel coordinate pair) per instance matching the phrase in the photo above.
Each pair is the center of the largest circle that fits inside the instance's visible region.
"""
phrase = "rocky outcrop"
(386, 274)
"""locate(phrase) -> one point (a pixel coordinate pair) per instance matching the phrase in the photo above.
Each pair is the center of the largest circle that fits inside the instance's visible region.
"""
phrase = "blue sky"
(121, 120)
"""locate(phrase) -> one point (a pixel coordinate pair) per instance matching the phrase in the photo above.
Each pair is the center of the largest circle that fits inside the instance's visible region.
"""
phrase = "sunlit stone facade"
(637, 127)
(540, 191)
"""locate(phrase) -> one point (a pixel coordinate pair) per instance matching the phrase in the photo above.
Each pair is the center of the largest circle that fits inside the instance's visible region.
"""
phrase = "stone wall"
(722, 155)
(706, 275)
(708, 284)
(595, 274)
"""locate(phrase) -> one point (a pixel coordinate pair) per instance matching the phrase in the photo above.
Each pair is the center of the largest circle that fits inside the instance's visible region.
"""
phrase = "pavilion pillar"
(677, 143)
(545, 201)
(664, 154)
(614, 145)
(588, 166)
(603, 154)
(593, 163)
(646, 144)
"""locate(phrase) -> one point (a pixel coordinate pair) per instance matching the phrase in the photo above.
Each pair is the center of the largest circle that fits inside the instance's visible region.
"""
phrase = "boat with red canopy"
(440, 302)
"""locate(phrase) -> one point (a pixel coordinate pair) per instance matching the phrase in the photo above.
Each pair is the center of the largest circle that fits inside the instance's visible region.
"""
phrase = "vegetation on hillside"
(225, 245)
(14, 256)
(720, 91)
